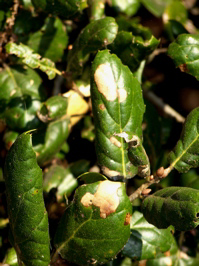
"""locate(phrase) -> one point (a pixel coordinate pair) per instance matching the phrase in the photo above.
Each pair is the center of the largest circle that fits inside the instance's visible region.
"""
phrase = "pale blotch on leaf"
(122, 94)
(110, 173)
(105, 81)
(115, 142)
(106, 198)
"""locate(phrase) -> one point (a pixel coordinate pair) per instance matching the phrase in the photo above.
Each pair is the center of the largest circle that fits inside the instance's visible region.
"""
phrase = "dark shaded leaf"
(63, 8)
(190, 179)
(177, 206)
(26, 210)
(20, 97)
(117, 107)
(131, 49)
(60, 179)
(186, 153)
(95, 227)
(47, 143)
(50, 41)
(92, 38)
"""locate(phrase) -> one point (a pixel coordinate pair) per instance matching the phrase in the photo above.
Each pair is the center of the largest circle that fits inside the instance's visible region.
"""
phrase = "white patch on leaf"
(105, 81)
(106, 198)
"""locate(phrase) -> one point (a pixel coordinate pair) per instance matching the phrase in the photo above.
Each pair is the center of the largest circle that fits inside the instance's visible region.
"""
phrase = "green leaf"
(117, 107)
(79, 167)
(128, 7)
(33, 60)
(20, 97)
(63, 8)
(95, 227)
(146, 240)
(88, 132)
(89, 178)
(50, 41)
(185, 53)
(96, 9)
(11, 257)
(156, 7)
(60, 179)
(54, 108)
(26, 210)
(174, 28)
(92, 38)
(186, 152)
(47, 143)
(131, 49)
(190, 179)
(9, 138)
(177, 258)
(177, 206)
(176, 11)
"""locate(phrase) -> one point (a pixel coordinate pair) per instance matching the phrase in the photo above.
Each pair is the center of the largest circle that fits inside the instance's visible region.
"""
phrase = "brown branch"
(167, 109)
(152, 179)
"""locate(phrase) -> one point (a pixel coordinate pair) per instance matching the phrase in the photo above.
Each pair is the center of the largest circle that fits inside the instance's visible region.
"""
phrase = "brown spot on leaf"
(183, 68)
(102, 106)
(127, 219)
(105, 198)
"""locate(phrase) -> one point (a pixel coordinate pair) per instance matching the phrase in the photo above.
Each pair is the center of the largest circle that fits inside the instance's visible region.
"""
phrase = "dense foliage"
(86, 125)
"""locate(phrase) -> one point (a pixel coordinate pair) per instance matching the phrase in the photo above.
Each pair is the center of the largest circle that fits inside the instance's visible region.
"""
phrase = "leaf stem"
(152, 179)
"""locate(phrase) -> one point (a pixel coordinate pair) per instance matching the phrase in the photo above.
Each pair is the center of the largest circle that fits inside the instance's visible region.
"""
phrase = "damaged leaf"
(184, 51)
(117, 107)
(96, 225)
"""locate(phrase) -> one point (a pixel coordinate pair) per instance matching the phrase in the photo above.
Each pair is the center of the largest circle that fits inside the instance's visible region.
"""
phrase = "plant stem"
(152, 179)
(163, 106)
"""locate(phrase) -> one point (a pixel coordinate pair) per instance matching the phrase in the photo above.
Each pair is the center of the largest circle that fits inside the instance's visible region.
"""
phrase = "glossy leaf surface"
(132, 49)
(128, 7)
(63, 8)
(20, 96)
(185, 53)
(92, 38)
(89, 178)
(177, 206)
(26, 210)
(55, 107)
(186, 153)
(50, 41)
(117, 107)
(31, 59)
(95, 227)
(47, 143)
(146, 240)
